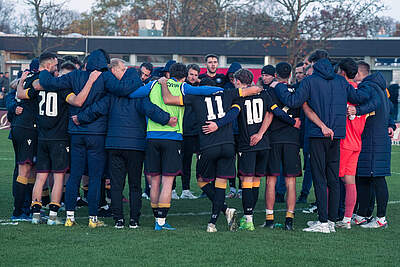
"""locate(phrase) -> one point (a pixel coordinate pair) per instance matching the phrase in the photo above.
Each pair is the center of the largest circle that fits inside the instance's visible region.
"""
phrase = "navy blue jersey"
(211, 108)
(27, 119)
(252, 113)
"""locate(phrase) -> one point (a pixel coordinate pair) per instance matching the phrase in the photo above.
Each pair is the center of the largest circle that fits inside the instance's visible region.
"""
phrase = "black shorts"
(287, 156)
(52, 156)
(253, 163)
(25, 142)
(216, 162)
(163, 157)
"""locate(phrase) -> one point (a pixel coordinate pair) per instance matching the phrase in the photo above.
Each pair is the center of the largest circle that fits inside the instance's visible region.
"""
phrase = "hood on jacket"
(324, 69)
(376, 78)
(234, 67)
(98, 60)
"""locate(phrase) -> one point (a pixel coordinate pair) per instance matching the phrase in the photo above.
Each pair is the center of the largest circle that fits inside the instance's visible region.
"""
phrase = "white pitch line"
(198, 213)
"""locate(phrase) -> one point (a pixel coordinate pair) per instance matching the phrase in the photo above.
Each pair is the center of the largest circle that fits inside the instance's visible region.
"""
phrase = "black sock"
(162, 212)
(36, 207)
(54, 207)
(247, 201)
(209, 190)
(218, 204)
(255, 191)
(20, 189)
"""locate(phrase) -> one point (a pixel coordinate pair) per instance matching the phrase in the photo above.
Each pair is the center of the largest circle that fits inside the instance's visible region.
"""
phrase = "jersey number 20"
(49, 103)
(254, 110)
(210, 110)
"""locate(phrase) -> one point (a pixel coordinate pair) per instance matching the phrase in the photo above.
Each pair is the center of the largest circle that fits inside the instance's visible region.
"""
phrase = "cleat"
(249, 226)
(81, 202)
(232, 193)
(318, 227)
(22, 218)
(174, 195)
(166, 226)
(343, 224)
(95, 224)
(70, 223)
(203, 195)
(288, 224)
(268, 224)
(105, 211)
(119, 224)
(133, 224)
(36, 219)
(311, 223)
(311, 209)
(331, 226)
(239, 194)
(187, 194)
(230, 215)
(376, 223)
(359, 220)
(242, 221)
(211, 228)
(145, 196)
(54, 221)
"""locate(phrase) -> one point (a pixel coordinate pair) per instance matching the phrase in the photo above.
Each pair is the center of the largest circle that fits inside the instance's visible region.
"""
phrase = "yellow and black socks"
(269, 215)
(247, 200)
(219, 200)
(255, 190)
(209, 190)
(163, 209)
(45, 196)
(36, 206)
(54, 207)
(19, 198)
(154, 207)
(289, 216)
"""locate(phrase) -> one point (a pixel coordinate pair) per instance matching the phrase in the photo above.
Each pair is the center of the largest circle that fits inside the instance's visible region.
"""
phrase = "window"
(153, 59)
(193, 59)
(246, 60)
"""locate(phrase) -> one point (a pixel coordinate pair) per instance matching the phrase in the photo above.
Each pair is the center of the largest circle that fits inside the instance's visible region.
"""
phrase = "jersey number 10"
(49, 101)
(210, 110)
(254, 110)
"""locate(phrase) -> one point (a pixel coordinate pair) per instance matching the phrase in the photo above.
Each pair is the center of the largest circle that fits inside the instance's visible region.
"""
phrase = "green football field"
(39, 245)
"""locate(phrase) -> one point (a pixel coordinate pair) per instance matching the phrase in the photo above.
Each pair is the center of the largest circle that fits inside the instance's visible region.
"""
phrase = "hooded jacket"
(77, 79)
(327, 94)
(375, 153)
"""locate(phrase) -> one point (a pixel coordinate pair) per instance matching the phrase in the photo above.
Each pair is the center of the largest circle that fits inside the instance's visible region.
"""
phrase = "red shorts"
(348, 162)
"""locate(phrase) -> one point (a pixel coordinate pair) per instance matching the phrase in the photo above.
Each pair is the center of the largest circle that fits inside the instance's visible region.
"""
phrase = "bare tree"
(46, 18)
(6, 17)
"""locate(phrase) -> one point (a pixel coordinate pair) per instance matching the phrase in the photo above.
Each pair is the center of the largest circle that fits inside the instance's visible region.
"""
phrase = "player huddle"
(103, 119)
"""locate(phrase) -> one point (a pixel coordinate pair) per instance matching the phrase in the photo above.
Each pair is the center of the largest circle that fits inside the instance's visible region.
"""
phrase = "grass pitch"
(43, 245)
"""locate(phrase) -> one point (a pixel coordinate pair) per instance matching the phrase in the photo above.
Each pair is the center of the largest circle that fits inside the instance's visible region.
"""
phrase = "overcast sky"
(392, 5)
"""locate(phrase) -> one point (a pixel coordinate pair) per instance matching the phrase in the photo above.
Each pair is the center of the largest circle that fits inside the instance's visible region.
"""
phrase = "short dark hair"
(210, 55)
(194, 67)
(283, 70)
(46, 56)
(147, 65)
(73, 59)
(317, 55)
(364, 66)
(244, 76)
(59, 63)
(349, 66)
(68, 66)
(300, 64)
(178, 71)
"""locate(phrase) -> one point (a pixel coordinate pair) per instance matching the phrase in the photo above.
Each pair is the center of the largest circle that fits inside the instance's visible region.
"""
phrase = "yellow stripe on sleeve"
(181, 100)
(68, 96)
(274, 106)
(240, 92)
(26, 93)
(236, 106)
